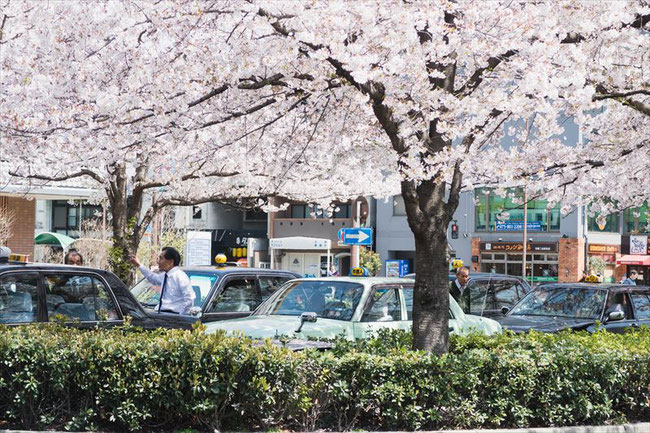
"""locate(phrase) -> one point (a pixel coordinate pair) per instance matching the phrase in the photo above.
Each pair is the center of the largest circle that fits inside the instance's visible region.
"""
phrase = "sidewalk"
(622, 428)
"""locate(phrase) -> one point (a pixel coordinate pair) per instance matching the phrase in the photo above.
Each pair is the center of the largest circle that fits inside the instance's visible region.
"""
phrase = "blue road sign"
(356, 236)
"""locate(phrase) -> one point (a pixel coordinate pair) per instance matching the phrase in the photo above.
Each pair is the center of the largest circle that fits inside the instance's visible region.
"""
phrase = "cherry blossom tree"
(155, 104)
(237, 100)
(442, 79)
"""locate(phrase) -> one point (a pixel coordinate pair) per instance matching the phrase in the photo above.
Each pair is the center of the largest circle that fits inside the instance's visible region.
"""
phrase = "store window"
(607, 224)
(637, 220)
(539, 267)
(497, 213)
(67, 217)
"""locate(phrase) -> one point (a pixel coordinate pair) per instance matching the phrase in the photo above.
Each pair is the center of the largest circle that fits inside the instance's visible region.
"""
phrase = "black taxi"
(77, 295)
(220, 292)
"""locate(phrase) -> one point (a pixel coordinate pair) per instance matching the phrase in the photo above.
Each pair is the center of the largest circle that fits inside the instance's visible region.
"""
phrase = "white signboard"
(198, 249)
(300, 243)
(638, 244)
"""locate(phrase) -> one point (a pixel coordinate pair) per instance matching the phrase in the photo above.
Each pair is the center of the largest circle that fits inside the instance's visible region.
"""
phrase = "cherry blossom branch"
(59, 178)
(477, 77)
(624, 98)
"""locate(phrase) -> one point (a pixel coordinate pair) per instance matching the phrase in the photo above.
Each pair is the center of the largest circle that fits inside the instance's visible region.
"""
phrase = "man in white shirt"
(176, 293)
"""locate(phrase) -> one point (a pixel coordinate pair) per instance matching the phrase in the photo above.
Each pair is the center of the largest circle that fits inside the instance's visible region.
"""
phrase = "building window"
(344, 211)
(607, 224)
(255, 215)
(67, 218)
(399, 209)
(307, 211)
(637, 220)
(298, 211)
(496, 213)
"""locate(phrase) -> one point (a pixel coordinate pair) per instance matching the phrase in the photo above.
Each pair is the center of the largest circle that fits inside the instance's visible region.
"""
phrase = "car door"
(20, 298)
(235, 297)
(382, 309)
(80, 299)
(641, 305)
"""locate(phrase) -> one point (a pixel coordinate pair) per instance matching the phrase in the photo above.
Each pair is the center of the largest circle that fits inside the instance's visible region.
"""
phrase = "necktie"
(162, 292)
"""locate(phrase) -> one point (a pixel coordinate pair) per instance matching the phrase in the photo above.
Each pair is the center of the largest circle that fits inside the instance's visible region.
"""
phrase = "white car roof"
(366, 281)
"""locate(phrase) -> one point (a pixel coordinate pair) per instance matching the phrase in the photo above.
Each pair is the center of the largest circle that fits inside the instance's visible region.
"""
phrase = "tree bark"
(428, 215)
(124, 213)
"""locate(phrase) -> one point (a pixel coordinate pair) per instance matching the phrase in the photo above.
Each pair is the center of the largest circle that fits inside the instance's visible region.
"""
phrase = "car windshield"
(573, 302)
(328, 299)
(148, 294)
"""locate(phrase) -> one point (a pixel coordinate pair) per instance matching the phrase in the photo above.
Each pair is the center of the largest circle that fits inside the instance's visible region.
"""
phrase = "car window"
(201, 285)
(475, 297)
(619, 301)
(521, 290)
(383, 306)
(18, 298)
(78, 297)
(579, 303)
(641, 303)
(328, 299)
(238, 295)
(505, 293)
(268, 285)
(408, 303)
(148, 294)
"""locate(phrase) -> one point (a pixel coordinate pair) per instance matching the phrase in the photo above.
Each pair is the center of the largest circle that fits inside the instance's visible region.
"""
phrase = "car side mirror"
(614, 316)
(504, 310)
(196, 312)
(307, 317)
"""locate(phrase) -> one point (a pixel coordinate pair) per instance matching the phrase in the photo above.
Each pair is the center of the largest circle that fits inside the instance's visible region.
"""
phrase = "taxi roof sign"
(22, 258)
(359, 272)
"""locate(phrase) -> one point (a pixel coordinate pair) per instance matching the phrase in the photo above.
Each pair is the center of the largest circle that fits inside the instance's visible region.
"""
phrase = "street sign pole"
(357, 247)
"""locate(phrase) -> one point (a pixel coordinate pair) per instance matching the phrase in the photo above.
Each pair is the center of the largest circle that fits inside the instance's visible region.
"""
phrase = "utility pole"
(523, 261)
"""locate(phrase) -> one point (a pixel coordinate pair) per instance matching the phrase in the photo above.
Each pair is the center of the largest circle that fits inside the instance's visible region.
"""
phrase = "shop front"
(635, 255)
(507, 258)
(234, 244)
(602, 260)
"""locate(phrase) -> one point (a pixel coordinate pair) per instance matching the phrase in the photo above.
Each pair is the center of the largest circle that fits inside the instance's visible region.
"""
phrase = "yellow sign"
(358, 272)
(18, 257)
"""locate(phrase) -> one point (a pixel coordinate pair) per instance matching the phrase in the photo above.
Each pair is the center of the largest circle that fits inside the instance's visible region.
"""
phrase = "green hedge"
(53, 377)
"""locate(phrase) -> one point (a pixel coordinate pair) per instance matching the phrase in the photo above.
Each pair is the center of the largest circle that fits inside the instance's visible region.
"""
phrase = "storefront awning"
(634, 259)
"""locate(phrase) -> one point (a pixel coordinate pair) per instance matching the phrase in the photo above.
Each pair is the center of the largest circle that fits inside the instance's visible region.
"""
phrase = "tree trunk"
(431, 293)
(126, 236)
(428, 216)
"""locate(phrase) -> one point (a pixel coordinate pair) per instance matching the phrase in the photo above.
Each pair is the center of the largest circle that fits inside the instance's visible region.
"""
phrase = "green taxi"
(351, 307)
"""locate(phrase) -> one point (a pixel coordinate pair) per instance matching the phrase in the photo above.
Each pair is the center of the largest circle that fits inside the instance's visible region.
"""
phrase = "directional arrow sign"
(356, 236)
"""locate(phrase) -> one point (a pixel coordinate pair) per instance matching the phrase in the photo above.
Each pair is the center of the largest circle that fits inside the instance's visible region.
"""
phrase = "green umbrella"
(55, 239)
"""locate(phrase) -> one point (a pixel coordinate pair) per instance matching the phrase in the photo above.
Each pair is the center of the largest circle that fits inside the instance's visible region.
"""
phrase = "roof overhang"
(634, 259)
(48, 192)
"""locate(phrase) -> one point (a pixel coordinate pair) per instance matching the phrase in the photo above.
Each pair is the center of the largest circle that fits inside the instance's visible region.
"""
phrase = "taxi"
(353, 307)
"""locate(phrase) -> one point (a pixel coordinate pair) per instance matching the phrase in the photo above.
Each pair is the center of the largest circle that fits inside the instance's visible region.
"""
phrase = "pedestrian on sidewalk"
(631, 280)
